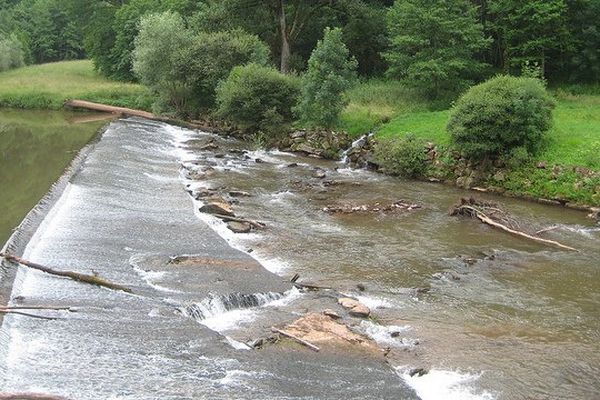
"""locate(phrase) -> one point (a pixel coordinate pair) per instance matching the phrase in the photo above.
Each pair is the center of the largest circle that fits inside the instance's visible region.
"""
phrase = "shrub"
(210, 59)
(11, 53)
(257, 98)
(330, 72)
(403, 156)
(503, 113)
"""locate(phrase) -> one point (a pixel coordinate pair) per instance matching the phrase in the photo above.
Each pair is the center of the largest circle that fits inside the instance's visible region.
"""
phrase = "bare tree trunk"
(285, 40)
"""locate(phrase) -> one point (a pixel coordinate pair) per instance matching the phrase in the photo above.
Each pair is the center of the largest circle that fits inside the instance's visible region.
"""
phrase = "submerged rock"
(217, 207)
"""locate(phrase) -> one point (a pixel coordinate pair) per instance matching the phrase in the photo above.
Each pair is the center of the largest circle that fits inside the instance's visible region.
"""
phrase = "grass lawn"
(47, 86)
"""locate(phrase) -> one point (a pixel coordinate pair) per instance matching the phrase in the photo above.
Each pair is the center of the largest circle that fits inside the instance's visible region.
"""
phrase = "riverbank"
(566, 171)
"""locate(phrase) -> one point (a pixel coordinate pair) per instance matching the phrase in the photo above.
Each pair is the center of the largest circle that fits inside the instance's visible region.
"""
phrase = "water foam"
(444, 385)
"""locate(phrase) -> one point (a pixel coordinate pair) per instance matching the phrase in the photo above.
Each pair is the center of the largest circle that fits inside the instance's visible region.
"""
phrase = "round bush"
(257, 98)
(499, 115)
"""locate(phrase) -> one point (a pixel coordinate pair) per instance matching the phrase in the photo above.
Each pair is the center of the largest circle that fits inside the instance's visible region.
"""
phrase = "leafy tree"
(11, 53)
(494, 118)
(160, 37)
(100, 36)
(365, 33)
(210, 58)
(126, 28)
(584, 55)
(258, 98)
(434, 44)
(331, 71)
(531, 30)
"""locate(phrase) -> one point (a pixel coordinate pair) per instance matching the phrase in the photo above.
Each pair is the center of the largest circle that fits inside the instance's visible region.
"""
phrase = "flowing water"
(488, 315)
(494, 316)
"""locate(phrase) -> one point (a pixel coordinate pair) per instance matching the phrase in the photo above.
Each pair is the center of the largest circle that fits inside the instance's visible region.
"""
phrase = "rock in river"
(217, 207)
(357, 309)
(239, 227)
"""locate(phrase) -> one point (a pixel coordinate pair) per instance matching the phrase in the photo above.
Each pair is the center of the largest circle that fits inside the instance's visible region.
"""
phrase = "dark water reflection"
(35, 148)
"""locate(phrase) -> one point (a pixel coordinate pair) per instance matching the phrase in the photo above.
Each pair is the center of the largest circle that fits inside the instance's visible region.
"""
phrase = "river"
(488, 315)
(494, 316)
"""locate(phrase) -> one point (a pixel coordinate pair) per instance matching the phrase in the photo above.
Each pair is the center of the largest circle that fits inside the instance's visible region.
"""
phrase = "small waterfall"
(360, 142)
(215, 305)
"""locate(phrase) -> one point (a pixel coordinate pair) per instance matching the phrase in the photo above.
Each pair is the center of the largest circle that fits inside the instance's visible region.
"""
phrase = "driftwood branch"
(4, 311)
(295, 338)
(10, 308)
(466, 209)
(76, 276)
(227, 218)
(29, 396)
(552, 228)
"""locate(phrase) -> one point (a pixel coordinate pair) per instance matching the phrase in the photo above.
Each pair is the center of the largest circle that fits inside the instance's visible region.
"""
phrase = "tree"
(211, 57)
(434, 44)
(126, 28)
(156, 46)
(11, 53)
(331, 71)
(584, 54)
(258, 98)
(281, 23)
(532, 30)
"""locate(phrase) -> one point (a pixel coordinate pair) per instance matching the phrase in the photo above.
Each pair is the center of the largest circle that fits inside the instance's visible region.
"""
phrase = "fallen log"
(228, 218)
(296, 339)
(76, 276)
(310, 286)
(470, 208)
(129, 112)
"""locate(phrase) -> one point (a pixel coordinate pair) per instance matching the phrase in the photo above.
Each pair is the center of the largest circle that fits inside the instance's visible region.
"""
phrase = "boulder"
(360, 311)
(217, 207)
(239, 227)
(347, 302)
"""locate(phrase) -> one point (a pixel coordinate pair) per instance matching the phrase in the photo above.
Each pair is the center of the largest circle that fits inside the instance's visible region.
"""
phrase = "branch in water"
(91, 279)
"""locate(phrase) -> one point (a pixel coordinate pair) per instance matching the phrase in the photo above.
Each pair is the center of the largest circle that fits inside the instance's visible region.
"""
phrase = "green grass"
(48, 86)
(375, 102)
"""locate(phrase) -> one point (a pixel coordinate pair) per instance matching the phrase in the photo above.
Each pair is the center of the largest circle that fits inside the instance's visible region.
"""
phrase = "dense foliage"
(498, 116)
(258, 98)
(433, 44)
(330, 72)
(442, 44)
(184, 69)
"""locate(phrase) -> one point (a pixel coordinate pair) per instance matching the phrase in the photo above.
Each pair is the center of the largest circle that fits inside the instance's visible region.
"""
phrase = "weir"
(123, 215)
